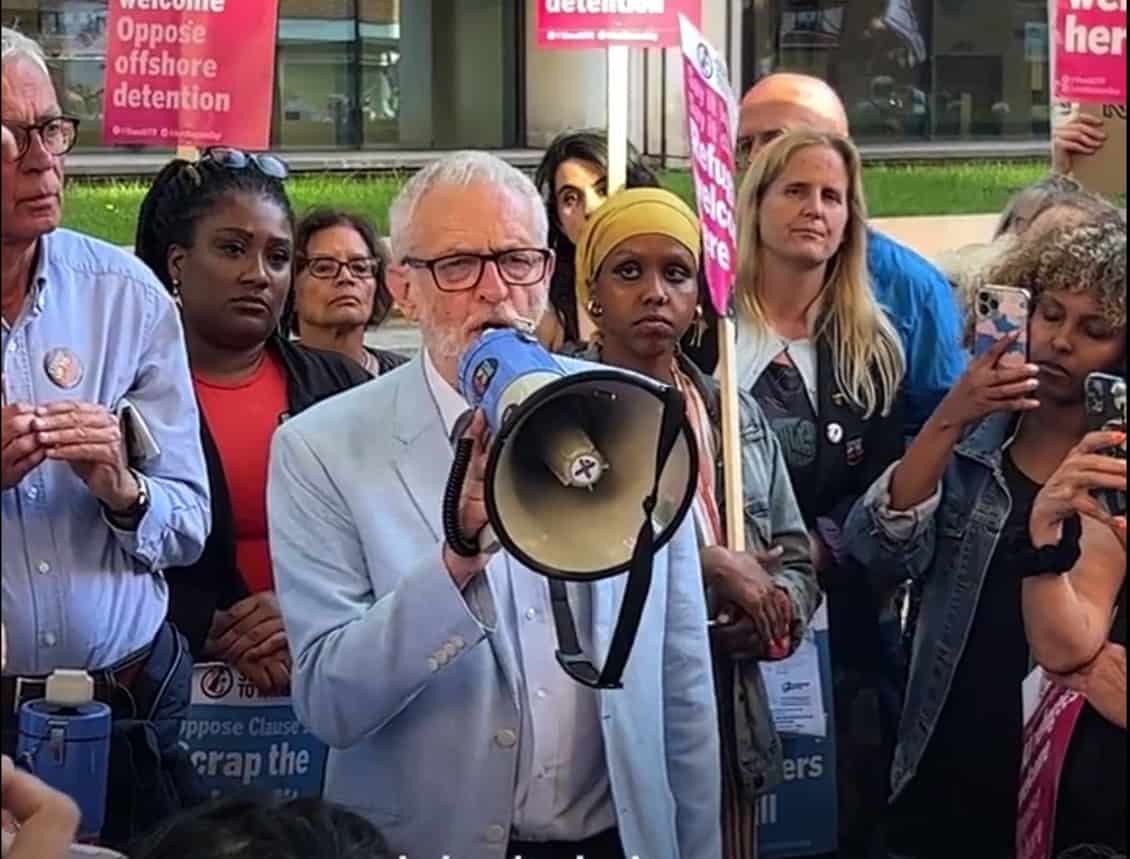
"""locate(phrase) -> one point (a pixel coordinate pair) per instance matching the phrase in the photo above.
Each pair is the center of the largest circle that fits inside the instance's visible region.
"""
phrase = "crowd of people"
(204, 461)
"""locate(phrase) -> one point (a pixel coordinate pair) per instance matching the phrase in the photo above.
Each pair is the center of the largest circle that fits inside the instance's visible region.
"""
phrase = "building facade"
(441, 74)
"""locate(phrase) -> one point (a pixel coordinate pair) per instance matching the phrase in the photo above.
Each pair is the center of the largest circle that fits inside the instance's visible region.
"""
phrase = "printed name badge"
(236, 738)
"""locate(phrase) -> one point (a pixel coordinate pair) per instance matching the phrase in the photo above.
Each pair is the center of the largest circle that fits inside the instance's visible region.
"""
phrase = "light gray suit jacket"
(417, 687)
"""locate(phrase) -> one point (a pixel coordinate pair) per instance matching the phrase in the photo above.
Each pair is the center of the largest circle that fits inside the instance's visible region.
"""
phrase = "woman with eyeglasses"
(218, 233)
(339, 289)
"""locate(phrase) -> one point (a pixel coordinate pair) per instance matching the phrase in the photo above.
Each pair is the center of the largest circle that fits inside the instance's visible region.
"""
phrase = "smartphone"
(140, 444)
(1106, 412)
(1000, 311)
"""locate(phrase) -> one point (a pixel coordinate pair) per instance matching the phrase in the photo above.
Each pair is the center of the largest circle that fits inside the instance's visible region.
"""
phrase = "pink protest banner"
(712, 122)
(1047, 734)
(1090, 51)
(579, 24)
(190, 72)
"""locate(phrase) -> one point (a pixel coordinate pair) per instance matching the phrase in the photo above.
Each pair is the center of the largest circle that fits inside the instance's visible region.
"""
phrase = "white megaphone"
(591, 470)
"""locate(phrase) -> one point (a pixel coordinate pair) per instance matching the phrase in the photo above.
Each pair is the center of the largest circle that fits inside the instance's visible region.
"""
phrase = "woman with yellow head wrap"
(637, 268)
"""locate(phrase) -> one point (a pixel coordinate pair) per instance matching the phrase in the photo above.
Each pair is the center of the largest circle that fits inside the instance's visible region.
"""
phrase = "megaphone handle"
(452, 532)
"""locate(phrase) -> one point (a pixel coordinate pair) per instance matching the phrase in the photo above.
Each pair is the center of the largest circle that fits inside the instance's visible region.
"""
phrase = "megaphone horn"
(591, 471)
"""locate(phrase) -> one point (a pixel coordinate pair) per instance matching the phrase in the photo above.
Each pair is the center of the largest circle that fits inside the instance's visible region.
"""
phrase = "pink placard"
(201, 77)
(579, 24)
(1090, 51)
(1047, 736)
(712, 124)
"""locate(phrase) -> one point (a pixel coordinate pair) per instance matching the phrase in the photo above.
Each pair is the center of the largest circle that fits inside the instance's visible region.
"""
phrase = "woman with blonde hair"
(826, 366)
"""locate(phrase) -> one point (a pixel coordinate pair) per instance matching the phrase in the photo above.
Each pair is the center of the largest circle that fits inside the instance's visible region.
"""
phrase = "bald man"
(916, 295)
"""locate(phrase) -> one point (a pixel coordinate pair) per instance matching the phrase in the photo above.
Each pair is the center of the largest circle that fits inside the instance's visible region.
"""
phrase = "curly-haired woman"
(954, 513)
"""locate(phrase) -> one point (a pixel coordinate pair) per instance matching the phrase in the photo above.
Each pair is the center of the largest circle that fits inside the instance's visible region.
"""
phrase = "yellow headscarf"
(627, 214)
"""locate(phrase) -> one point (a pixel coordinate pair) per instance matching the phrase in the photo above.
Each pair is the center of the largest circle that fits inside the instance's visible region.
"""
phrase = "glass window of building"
(412, 74)
(913, 69)
(73, 36)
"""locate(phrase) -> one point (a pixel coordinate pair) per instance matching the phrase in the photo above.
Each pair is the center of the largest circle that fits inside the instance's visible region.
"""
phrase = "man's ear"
(399, 284)
(550, 266)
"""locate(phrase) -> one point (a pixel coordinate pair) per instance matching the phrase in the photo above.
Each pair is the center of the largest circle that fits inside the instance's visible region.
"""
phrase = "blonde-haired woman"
(826, 366)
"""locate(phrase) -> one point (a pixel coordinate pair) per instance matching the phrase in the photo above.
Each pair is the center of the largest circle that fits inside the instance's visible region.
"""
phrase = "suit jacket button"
(458, 642)
(506, 738)
(433, 665)
(496, 834)
(450, 650)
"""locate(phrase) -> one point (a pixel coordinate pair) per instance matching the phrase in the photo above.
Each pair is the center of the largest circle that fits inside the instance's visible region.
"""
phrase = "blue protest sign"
(238, 739)
(799, 818)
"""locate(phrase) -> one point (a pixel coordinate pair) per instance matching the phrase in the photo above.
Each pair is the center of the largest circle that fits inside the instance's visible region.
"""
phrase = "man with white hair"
(433, 676)
(91, 342)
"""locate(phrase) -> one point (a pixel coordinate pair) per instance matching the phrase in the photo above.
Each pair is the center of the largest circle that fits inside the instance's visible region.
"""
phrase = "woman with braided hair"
(218, 233)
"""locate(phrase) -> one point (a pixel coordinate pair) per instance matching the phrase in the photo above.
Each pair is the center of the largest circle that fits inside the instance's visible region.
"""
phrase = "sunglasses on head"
(237, 159)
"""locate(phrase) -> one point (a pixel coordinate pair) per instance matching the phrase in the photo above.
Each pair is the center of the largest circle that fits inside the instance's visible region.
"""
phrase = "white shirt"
(757, 348)
(563, 792)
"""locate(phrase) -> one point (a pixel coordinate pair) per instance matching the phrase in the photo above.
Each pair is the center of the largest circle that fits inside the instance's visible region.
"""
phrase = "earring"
(698, 327)
(594, 308)
(176, 292)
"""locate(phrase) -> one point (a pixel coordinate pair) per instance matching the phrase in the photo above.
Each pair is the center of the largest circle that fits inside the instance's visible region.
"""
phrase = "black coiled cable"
(460, 545)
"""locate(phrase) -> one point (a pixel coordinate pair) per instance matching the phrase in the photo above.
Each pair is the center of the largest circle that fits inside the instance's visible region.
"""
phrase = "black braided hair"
(181, 194)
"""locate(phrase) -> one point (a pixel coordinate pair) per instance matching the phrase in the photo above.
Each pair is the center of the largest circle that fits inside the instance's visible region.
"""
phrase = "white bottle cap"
(67, 688)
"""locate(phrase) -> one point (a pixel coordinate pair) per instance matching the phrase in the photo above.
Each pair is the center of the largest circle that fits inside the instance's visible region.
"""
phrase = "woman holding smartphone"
(955, 511)
(1067, 615)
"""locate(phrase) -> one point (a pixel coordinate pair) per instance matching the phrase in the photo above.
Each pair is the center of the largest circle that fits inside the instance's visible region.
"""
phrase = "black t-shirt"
(1091, 809)
(963, 798)
(781, 393)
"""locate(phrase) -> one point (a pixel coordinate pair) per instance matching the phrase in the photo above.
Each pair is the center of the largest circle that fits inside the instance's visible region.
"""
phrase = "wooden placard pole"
(617, 117)
(731, 434)
(617, 80)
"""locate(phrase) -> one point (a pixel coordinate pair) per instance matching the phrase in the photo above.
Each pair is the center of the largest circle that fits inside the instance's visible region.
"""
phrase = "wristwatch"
(1053, 560)
(130, 518)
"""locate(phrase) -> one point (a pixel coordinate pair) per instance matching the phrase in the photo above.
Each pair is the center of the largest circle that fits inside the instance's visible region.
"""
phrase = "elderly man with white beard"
(433, 675)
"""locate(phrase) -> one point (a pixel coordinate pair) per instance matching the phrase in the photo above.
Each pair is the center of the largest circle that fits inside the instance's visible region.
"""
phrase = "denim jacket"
(946, 545)
(772, 518)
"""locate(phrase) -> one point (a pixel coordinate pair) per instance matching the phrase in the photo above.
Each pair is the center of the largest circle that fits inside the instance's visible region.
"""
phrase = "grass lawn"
(109, 210)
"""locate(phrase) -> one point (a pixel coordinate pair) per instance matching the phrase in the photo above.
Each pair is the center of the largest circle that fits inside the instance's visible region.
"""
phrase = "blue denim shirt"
(922, 306)
(948, 551)
(79, 593)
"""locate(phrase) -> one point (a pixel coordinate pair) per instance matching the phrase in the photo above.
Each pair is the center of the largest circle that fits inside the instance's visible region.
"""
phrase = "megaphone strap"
(569, 653)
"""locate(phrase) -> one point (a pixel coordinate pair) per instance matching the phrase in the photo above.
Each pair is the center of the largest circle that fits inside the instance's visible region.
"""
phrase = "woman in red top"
(219, 235)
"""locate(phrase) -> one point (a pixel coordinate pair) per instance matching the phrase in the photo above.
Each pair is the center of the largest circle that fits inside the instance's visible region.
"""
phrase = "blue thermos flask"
(65, 741)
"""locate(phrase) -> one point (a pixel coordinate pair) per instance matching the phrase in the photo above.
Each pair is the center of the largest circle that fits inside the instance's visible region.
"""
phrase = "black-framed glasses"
(237, 159)
(328, 268)
(57, 134)
(463, 271)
